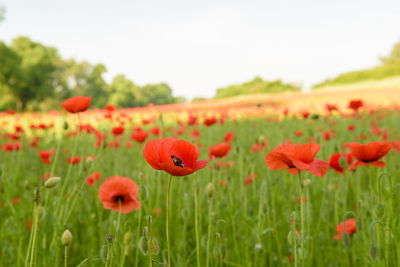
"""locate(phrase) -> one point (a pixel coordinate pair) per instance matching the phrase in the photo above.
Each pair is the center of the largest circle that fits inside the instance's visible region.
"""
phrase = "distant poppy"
(350, 128)
(119, 130)
(370, 153)
(155, 131)
(45, 156)
(298, 133)
(210, 121)
(93, 178)
(74, 160)
(331, 107)
(349, 226)
(118, 191)
(175, 156)
(249, 179)
(77, 104)
(110, 107)
(229, 137)
(140, 136)
(219, 150)
(296, 158)
(355, 104)
(192, 120)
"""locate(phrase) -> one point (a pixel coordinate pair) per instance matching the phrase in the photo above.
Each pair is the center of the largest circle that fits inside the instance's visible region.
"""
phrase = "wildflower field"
(244, 185)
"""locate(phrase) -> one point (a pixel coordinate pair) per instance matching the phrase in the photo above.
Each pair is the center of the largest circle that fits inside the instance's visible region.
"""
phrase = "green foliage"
(256, 86)
(390, 67)
(35, 76)
(157, 94)
(123, 92)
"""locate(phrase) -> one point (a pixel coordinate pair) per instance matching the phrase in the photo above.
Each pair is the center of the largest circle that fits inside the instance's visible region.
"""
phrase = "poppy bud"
(373, 252)
(65, 126)
(293, 238)
(154, 246)
(52, 182)
(143, 245)
(144, 193)
(41, 212)
(127, 238)
(306, 182)
(346, 239)
(314, 116)
(210, 190)
(261, 140)
(379, 211)
(146, 232)
(66, 238)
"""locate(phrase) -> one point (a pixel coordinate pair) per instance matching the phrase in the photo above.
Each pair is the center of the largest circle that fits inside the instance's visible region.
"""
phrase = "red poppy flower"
(296, 158)
(219, 150)
(115, 190)
(93, 178)
(74, 160)
(192, 120)
(229, 137)
(338, 161)
(45, 156)
(349, 226)
(356, 104)
(140, 136)
(118, 130)
(210, 121)
(370, 153)
(175, 156)
(298, 133)
(110, 108)
(77, 104)
(155, 131)
(249, 179)
(330, 107)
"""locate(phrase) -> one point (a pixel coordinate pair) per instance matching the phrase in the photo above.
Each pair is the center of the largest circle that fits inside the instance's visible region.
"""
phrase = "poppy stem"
(150, 244)
(138, 234)
(196, 226)
(166, 220)
(301, 220)
(66, 256)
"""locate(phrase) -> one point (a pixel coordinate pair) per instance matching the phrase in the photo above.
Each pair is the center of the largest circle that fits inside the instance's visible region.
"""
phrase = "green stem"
(150, 243)
(294, 234)
(209, 231)
(302, 234)
(166, 221)
(66, 255)
(138, 235)
(197, 226)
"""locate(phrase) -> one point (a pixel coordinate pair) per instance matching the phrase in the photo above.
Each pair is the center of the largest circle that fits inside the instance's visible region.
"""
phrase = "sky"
(199, 46)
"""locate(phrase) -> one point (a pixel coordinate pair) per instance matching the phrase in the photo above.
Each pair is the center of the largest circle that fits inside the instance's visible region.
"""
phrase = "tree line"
(34, 76)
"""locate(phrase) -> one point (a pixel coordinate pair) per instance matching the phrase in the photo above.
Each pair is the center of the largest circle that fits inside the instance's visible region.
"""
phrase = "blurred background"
(132, 53)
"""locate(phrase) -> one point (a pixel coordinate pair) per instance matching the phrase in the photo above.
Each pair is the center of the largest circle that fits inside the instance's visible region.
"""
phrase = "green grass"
(241, 225)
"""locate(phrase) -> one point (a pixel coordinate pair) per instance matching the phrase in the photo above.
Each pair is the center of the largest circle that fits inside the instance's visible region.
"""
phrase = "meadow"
(239, 210)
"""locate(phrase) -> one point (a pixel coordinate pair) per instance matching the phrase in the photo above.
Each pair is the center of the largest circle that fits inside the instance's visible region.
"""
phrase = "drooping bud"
(210, 189)
(379, 211)
(154, 246)
(293, 238)
(52, 182)
(66, 238)
(346, 240)
(143, 245)
(127, 238)
(143, 194)
(373, 252)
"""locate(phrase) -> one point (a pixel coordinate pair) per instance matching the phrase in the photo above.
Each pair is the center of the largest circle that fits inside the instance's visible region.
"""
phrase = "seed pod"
(52, 182)
(66, 238)
(346, 240)
(144, 193)
(143, 245)
(373, 252)
(293, 237)
(210, 190)
(127, 238)
(154, 246)
(379, 211)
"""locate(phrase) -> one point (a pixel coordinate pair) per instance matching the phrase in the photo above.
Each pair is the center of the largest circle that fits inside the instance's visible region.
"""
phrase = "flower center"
(119, 198)
(177, 161)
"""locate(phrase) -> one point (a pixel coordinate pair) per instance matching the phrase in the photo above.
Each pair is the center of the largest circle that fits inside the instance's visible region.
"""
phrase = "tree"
(394, 56)
(123, 92)
(37, 71)
(157, 94)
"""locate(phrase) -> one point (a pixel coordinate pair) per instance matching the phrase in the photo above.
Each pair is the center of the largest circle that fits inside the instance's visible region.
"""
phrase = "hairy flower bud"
(52, 182)
(210, 189)
(66, 238)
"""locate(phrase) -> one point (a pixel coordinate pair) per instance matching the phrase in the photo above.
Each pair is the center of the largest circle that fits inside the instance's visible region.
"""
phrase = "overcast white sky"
(198, 46)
